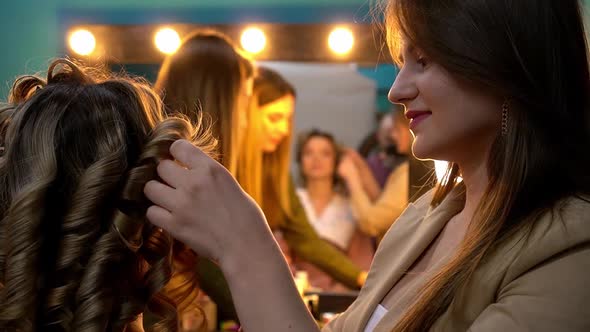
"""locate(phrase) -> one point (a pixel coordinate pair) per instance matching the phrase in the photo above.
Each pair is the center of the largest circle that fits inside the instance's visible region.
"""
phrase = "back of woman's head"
(77, 252)
(532, 55)
(208, 74)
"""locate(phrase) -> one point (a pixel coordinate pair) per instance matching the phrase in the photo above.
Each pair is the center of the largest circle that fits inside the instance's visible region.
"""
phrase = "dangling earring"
(505, 109)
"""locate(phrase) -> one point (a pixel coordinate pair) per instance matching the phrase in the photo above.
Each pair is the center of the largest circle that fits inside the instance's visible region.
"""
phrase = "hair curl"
(208, 76)
(76, 250)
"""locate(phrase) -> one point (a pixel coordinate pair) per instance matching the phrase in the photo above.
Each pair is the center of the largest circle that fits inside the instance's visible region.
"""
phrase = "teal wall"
(31, 33)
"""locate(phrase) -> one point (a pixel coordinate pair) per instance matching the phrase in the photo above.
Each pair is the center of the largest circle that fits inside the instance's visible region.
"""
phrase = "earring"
(505, 109)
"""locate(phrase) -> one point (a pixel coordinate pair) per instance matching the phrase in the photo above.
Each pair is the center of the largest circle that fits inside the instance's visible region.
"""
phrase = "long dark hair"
(206, 76)
(76, 250)
(540, 67)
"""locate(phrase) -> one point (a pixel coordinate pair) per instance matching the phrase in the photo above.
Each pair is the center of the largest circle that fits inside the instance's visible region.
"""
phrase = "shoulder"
(573, 212)
(542, 268)
(558, 233)
(565, 225)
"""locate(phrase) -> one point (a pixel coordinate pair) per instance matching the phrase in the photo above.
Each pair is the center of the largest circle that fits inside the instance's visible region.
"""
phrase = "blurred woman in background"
(210, 76)
(375, 209)
(382, 159)
(264, 173)
(327, 208)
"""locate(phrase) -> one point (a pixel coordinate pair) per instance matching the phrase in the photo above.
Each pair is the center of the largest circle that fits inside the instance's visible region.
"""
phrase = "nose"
(403, 89)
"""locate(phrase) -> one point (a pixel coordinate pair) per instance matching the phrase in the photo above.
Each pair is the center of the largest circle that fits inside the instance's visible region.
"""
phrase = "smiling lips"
(416, 117)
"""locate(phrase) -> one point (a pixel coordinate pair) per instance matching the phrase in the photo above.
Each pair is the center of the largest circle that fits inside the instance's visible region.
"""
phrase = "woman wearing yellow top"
(375, 209)
(502, 98)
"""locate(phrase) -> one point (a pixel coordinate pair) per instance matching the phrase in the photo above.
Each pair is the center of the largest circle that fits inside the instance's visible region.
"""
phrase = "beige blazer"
(542, 284)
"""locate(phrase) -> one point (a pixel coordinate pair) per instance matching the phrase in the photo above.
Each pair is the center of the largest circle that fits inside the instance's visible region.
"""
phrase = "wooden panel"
(285, 42)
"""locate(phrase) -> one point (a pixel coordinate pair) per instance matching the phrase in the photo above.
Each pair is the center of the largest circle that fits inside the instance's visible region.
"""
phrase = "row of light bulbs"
(253, 40)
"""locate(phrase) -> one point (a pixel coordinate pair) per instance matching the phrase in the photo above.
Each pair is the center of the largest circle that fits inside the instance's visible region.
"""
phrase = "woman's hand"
(347, 169)
(204, 207)
(363, 175)
(358, 160)
(201, 204)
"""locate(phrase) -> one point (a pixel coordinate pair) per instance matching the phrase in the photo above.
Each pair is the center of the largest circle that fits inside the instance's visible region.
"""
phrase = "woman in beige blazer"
(499, 89)
(536, 284)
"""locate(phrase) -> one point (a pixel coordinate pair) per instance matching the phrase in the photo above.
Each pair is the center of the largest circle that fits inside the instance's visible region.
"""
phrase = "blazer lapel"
(403, 244)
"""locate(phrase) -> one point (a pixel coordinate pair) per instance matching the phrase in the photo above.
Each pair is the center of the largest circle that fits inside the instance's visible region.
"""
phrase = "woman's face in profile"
(450, 120)
(276, 122)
